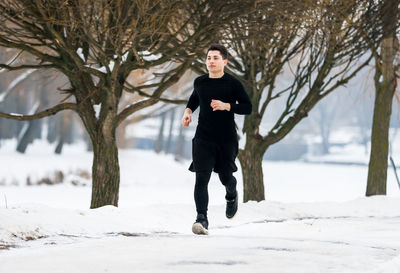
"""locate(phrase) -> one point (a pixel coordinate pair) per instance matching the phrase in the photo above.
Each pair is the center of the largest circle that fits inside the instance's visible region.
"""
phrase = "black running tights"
(201, 189)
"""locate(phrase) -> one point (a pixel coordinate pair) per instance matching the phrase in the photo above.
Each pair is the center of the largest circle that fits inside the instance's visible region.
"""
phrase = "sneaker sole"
(197, 228)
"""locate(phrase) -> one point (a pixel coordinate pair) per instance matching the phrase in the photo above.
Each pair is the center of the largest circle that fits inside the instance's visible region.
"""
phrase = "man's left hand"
(219, 105)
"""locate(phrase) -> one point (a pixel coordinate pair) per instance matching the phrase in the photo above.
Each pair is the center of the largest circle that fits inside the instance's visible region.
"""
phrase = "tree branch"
(133, 108)
(27, 66)
(45, 113)
(132, 89)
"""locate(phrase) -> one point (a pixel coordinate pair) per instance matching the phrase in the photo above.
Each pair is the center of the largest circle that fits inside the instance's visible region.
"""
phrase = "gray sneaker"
(200, 227)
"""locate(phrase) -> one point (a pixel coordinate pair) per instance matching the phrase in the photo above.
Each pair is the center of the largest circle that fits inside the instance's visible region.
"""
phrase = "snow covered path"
(357, 236)
(315, 219)
(226, 250)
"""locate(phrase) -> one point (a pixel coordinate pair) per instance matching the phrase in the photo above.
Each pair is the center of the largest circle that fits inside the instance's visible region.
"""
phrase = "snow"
(392, 266)
(147, 56)
(97, 109)
(258, 76)
(315, 219)
(79, 51)
(104, 69)
(125, 56)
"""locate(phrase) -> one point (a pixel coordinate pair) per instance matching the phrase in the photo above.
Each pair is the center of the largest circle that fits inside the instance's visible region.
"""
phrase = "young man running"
(215, 144)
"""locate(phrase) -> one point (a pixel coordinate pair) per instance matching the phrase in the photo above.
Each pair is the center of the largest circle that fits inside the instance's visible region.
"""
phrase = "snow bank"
(392, 266)
(33, 221)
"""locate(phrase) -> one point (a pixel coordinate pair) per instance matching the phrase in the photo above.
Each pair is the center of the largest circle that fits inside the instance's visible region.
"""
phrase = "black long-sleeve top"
(218, 125)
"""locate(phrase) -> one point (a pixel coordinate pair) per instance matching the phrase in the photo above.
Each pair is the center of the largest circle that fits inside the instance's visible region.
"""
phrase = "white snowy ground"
(315, 219)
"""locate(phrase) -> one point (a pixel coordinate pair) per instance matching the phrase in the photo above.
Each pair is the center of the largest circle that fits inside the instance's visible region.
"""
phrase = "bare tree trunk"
(171, 128)
(325, 132)
(253, 180)
(89, 145)
(378, 164)
(325, 125)
(64, 132)
(160, 139)
(28, 135)
(377, 172)
(101, 126)
(364, 118)
(180, 145)
(122, 141)
(31, 130)
(106, 175)
(59, 146)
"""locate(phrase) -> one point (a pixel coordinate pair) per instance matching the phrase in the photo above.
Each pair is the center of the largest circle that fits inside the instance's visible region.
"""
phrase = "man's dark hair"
(220, 48)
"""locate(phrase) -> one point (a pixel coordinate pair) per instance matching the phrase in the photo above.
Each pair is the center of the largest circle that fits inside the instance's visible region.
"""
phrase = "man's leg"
(201, 199)
(201, 192)
(229, 181)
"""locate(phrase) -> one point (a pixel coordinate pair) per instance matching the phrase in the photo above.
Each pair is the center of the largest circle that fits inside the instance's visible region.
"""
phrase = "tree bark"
(105, 170)
(385, 89)
(101, 126)
(253, 180)
(378, 163)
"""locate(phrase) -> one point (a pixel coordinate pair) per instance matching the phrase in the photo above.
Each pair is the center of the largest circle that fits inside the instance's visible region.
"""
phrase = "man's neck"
(216, 75)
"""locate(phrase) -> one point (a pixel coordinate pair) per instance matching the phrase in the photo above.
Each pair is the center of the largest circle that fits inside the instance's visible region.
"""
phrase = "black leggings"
(201, 189)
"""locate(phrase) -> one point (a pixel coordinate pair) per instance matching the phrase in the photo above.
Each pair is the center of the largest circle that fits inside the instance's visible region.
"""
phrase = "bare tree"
(324, 120)
(317, 40)
(96, 45)
(386, 66)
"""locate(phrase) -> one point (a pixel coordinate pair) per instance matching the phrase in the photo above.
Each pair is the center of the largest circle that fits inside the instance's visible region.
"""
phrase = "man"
(215, 144)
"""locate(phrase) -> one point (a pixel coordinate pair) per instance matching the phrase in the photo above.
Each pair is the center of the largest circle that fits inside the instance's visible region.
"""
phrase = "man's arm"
(243, 107)
(191, 106)
(193, 101)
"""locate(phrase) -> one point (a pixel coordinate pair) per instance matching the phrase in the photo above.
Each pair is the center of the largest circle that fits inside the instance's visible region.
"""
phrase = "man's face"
(214, 62)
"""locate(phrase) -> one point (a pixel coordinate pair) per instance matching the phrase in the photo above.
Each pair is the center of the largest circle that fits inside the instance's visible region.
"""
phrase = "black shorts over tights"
(217, 156)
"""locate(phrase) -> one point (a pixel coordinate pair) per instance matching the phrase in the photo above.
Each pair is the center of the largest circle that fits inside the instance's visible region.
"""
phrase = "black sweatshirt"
(218, 125)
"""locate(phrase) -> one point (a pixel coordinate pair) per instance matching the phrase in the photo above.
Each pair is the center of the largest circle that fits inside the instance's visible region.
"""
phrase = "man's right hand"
(187, 118)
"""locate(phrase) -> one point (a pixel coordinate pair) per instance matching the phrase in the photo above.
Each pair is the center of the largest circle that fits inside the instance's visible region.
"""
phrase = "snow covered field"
(315, 219)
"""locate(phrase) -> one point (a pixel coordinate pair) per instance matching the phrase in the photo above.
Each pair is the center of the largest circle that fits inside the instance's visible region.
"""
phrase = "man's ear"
(225, 61)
